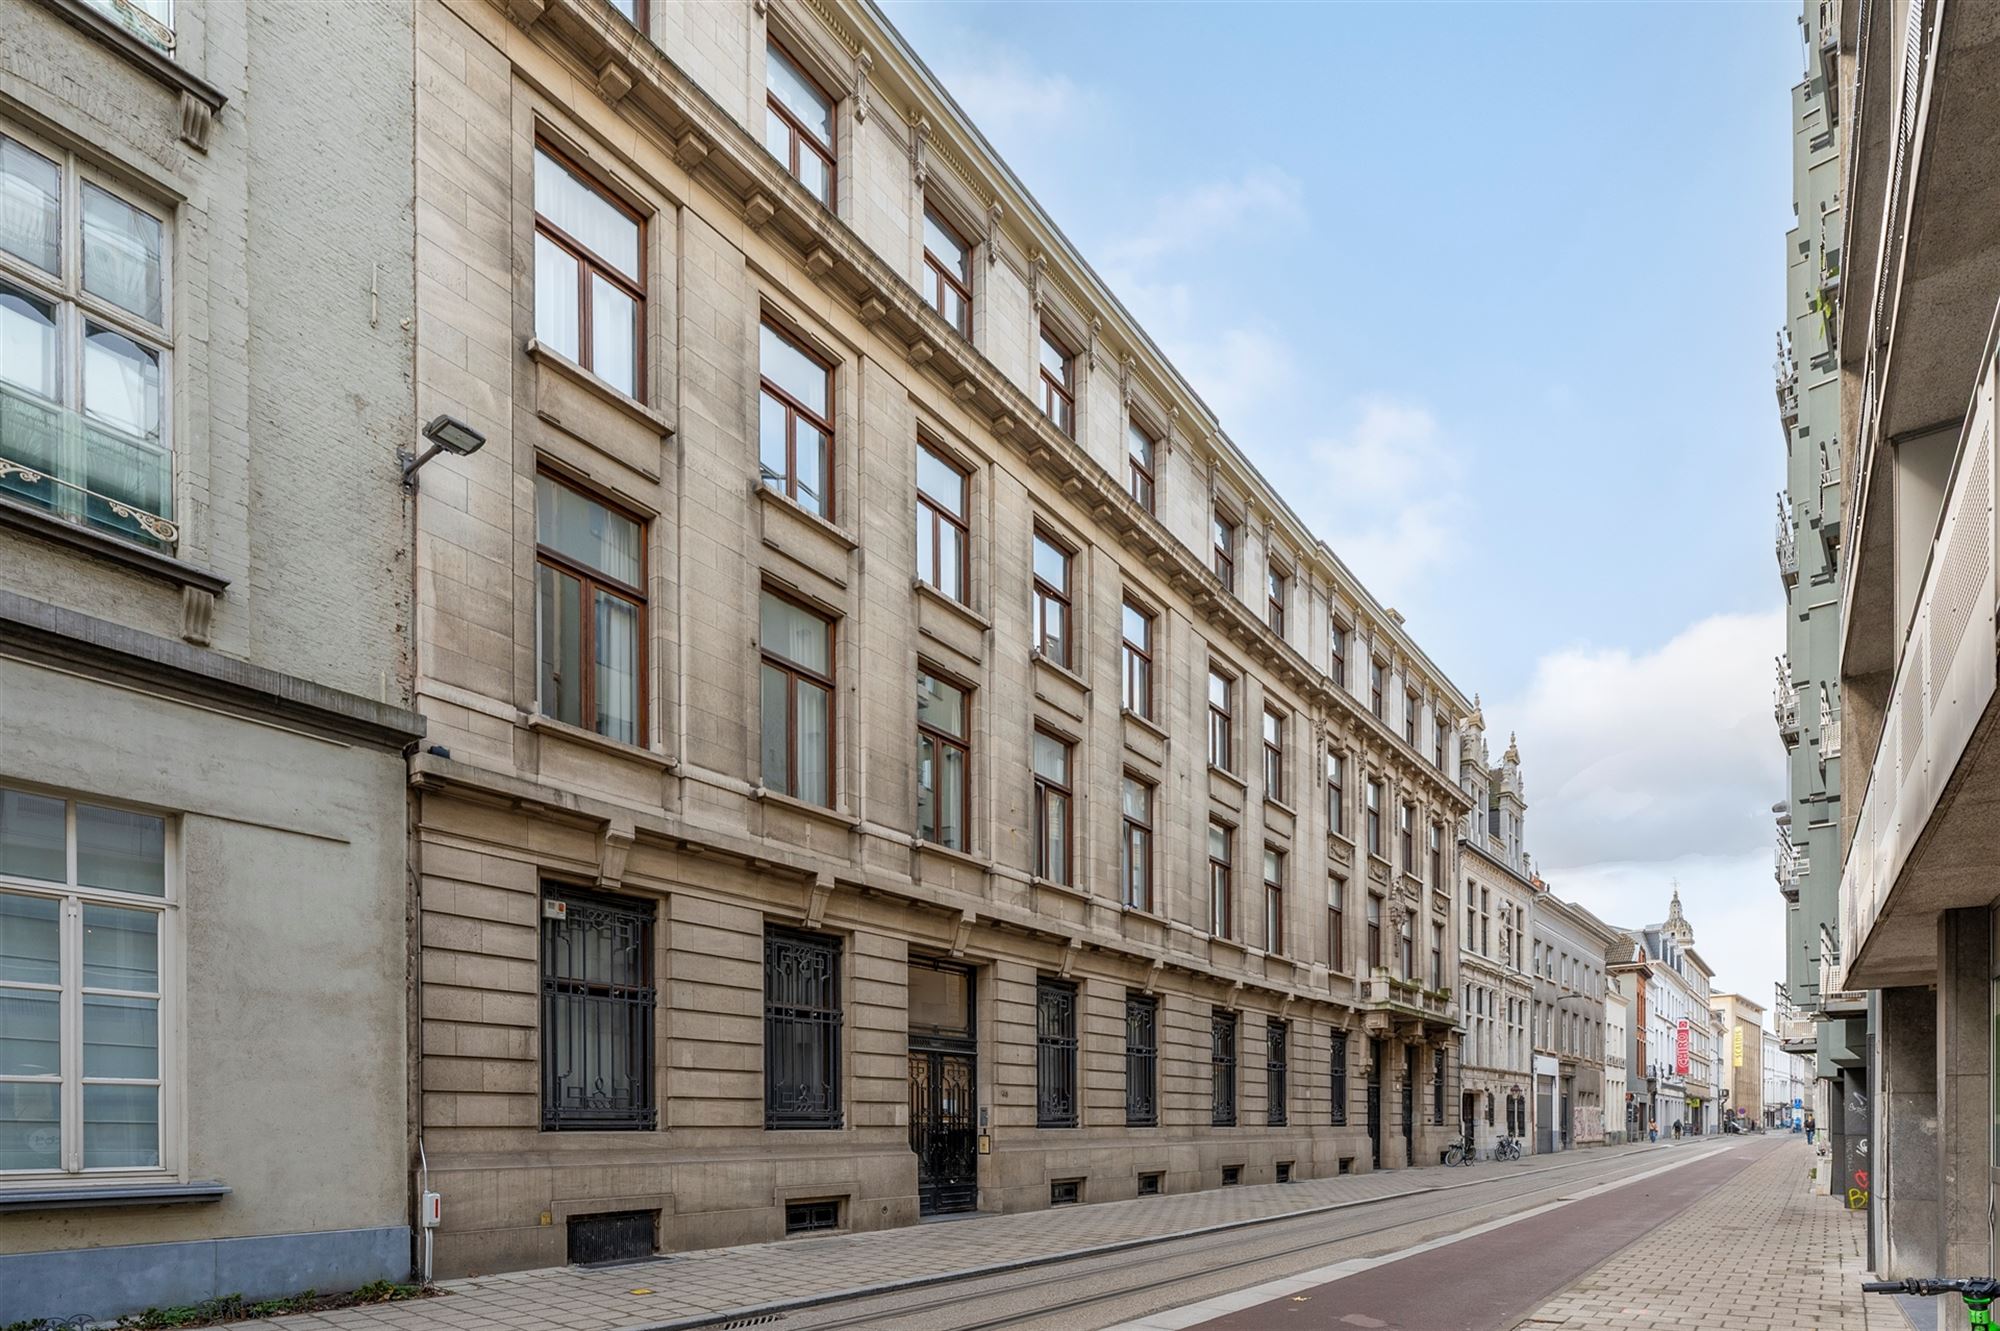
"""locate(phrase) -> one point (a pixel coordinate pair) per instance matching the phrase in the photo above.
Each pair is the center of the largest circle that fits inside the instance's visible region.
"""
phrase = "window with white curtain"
(85, 351)
(590, 611)
(87, 916)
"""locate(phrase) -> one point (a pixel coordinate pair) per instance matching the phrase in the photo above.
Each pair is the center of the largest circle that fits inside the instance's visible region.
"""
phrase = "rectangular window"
(1051, 562)
(1277, 1071)
(1412, 710)
(1377, 678)
(1274, 756)
(598, 1008)
(1437, 1085)
(1375, 818)
(1274, 901)
(1339, 1056)
(1436, 878)
(1336, 923)
(1221, 709)
(1407, 946)
(1406, 837)
(1053, 818)
(87, 913)
(798, 123)
(590, 286)
(1219, 911)
(1336, 795)
(1374, 931)
(1140, 449)
(1058, 375)
(1437, 956)
(1222, 1068)
(1055, 1054)
(795, 422)
(1337, 660)
(797, 687)
(590, 612)
(1437, 740)
(1137, 652)
(1142, 1061)
(802, 1020)
(1225, 549)
(1277, 591)
(1135, 847)
(944, 540)
(944, 762)
(948, 272)
(85, 350)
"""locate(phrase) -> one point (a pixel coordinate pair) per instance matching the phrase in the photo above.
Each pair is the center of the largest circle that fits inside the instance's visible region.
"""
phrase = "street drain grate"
(763, 1319)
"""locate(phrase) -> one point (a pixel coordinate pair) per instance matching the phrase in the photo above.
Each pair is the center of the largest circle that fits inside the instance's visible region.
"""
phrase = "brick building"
(890, 753)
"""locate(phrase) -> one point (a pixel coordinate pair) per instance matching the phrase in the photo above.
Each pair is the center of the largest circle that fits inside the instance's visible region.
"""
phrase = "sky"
(1489, 293)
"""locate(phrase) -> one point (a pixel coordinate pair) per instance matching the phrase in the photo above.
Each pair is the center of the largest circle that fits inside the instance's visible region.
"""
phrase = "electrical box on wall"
(430, 1210)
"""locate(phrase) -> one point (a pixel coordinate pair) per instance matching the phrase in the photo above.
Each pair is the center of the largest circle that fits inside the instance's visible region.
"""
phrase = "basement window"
(1149, 1185)
(1232, 1175)
(1065, 1192)
(812, 1217)
(1284, 1171)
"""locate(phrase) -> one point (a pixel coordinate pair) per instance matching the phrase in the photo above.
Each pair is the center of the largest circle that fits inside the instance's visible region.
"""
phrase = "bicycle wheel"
(1452, 1155)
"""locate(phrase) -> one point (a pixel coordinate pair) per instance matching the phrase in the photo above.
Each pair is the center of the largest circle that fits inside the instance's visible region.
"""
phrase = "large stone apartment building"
(1496, 988)
(205, 377)
(889, 753)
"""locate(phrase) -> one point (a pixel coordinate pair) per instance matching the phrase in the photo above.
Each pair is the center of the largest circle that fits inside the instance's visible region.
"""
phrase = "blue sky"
(1489, 292)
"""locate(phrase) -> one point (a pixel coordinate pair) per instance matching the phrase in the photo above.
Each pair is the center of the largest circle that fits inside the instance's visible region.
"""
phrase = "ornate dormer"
(1508, 805)
(1473, 776)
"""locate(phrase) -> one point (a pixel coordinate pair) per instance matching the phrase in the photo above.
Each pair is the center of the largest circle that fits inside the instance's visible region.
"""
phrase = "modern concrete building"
(1739, 1055)
(1567, 949)
(1917, 341)
(890, 753)
(205, 351)
(1807, 702)
(1617, 1057)
(1495, 988)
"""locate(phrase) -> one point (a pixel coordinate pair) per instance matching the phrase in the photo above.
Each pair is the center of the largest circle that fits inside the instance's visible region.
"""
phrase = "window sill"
(1228, 776)
(1242, 949)
(1282, 807)
(157, 64)
(602, 389)
(1061, 671)
(792, 507)
(806, 807)
(32, 521)
(968, 858)
(1067, 889)
(1143, 913)
(1145, 723)
(951, 603)
(1339, 840)
(1376, 857)
(104, 1195)
(538, 721)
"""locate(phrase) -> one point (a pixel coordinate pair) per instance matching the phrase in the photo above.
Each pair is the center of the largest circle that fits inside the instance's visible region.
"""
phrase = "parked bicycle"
(1460, 1152)
(1507, 1148)
(1978, 1292)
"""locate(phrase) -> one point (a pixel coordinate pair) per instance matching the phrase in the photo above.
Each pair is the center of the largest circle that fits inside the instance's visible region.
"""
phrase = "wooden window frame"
(593, 581)
(1057, 391)
(796, 410)
(1277, 591)
(1136, 859)
(940, 276)
(1337, 654)
(1437, 955)
(1221, 887)
(963, 744)
(1274, 901)
(1142, 479)
(802, 138)
(1336, 793)
(1437, 741)
(1374, 921)
(1222, 557)
(1049, 791)
(1412, 715)
(1378, 680)
(1434, 850)
(1406, 836)
(589, 263)
(793, 672)
(1336, 924)
(930, 506)
(1048, 596)
(1222, 721)
(1136, 660)
(1274, 757)
(1372, 805)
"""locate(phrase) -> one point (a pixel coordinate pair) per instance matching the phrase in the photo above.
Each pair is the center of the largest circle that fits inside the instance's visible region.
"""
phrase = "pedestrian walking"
(1653, 1133)
(1811, 1129)
(1677, 1129)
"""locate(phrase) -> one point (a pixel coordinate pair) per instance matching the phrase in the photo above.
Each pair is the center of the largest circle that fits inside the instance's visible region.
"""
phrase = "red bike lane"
(1489, 1281)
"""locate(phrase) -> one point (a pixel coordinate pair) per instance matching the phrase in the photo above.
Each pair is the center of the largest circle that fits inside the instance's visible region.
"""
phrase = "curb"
(755, 1312)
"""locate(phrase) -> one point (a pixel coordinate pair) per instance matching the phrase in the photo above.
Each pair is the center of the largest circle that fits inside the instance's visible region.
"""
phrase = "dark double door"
(1375, 1101)
(944, 1087)
(1409, 1105)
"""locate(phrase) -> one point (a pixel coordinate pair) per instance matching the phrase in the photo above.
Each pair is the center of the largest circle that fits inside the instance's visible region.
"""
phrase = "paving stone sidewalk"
(1760, 1253)
(738, 1279)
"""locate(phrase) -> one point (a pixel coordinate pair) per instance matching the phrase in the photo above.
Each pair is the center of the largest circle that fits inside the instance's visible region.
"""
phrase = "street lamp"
(447, 434)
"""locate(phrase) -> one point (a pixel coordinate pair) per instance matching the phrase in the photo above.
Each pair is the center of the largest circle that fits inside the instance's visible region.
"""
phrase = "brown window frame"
(1337, 656)
(1223, 556)
(941, 517)
(1056, 390)
(794, 672)
(1274, 757)
(1406, 836)
(1277, 591)
(1336, 793)
(1372, 804)
(1136, 660)
(589, 262)
(963, 744)
(1142, 479)
(594, 580)
(1047, 595)
(1136, 847)
(1437, 742)
(801, 137)
(794, 410)
(1047, 789)
(1274, 902)
(638, 16)
(1336, 924)
(1435, 852)
(1221, 887)
(935, 265)
(1222, 721)
(1413, 708)
(1378, 679)
(1375, 904)
(1437, 955)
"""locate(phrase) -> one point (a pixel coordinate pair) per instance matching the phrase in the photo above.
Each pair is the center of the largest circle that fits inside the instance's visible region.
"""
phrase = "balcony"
(151, 21)
(1829, 727)
(1786, 373)
(1785, 704)
(85, 472)
(1789, 864)
(1787, 543)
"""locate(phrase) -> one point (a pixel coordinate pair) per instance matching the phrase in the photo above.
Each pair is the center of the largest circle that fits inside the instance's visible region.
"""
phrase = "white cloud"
(1262, 198)
(1010, 101)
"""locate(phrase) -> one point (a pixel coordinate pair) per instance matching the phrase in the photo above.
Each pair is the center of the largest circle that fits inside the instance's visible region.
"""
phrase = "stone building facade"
(889, 751)
(1495, 985)
(1566, 957)
(204, 578)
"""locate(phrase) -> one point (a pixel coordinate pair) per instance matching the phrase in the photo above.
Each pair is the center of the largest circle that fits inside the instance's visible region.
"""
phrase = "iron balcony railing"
(1790, 864)
(1786, 373)
(1785, 703)
(151, 21)
(85, 471)
(1787, 543)
(1829, 726)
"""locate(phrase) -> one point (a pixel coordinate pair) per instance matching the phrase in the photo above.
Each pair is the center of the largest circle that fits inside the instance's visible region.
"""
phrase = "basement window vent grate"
(812, 1217)
(1149, 1185)
(1065, 1192)
(1284, 1171)
(1232, 1175)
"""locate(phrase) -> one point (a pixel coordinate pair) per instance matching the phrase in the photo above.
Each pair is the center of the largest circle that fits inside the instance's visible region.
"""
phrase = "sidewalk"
(752, 1279)
(1760, 1252)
